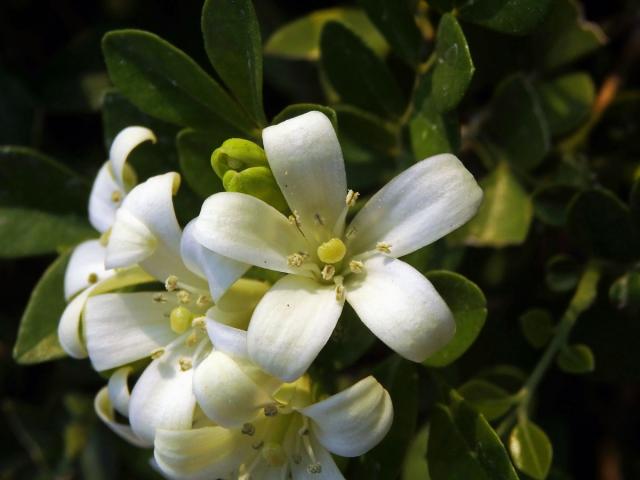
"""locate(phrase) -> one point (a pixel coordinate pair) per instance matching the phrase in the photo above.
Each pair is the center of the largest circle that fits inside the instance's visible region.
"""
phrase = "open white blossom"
(264, 429)
(329, 263)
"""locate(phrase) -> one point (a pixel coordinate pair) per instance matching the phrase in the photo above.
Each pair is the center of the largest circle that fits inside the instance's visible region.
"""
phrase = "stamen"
(203, 300)
(297, 259)
(157, 353)
(199, 322)
(332, 251)
(294, 219)
(180, 319)
(159, 298)
(271, 410)
(192, 339)
(248, 429)
(314, 468)
(328, 272)
(92, 278)
(352, 198)
(171, 283)
(116, 196)
(183, 296)
(383, 247)
(185, 364)
(339, 288)
(356, 266)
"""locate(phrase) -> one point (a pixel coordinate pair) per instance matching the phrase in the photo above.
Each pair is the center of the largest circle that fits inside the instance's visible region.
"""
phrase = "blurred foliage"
(540, 100)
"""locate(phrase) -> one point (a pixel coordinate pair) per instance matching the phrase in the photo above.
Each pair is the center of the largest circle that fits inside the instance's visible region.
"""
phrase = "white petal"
(87, 259)
(419, 206)
(264, 471)
(248, 230)
(203, 453)
(102, 207)
(401, 307)
(130, 241)
(229, 391)
(104, 410)
(221, 272)
(291, 324)
(237, 305)
(227, 339)
(69, 331)
(353, 421)
(123, 145)
(119, 393)
(330, 470)
(162, 398)
(124, 327)
(306, 160)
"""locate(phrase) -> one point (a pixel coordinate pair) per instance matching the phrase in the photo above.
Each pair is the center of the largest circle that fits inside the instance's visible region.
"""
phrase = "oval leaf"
(194, 150)
(566, 101)
(490, 400)
(530, 449)
(576, 359)
(537, 327)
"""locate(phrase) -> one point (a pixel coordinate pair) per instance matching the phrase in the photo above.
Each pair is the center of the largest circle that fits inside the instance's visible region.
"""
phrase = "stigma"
(332, 251)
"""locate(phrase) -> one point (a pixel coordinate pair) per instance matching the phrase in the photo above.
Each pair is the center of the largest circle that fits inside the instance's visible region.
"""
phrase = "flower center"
(332, 251)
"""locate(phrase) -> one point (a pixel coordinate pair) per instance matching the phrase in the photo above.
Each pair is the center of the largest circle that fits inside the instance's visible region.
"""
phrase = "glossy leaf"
(518, 124)
(414, 466)
(38, 333)
(359, 77)
(164, 82)
(462, 445)
(368, 130)
(300, 39)
(515, 17)
(504, 216)
(400, 378)
(469, 308)
(566, 101)
(537, 327)
(490, 400)
(433, 132)
(396, 22)
(530, 449)
(565, 36)
(296, 109)
(194, 150)
(232, 41)
(576, 359)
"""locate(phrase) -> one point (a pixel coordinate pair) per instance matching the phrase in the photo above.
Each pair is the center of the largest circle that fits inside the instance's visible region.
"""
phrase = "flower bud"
(237, 154)
(258, 182)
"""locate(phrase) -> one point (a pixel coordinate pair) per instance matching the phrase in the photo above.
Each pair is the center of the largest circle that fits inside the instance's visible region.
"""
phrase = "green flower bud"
(237, 154)
(258, 182)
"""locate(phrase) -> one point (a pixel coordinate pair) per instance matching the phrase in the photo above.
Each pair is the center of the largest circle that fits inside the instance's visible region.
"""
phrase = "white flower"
(86, 273)
(328, 263)
(262, 434)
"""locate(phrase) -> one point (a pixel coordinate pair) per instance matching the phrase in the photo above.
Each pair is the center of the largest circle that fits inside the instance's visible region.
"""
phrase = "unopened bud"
(258, 182)
(237, 154)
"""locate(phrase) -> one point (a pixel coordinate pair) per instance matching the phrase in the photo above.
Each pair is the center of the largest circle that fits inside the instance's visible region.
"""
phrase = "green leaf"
(300, 39)
(537, 327)
(518, 124)
(603, 225)
(462, 445)
(296, 109)
(164, 82)
(432, 132)
(566, 101)
(565, 36)
(551, 203)
(414, 466)
(469, 308)
(562, 273)
(357, 74)
(232, 41)
(576, 359)
(397, 23)
(38, 332)
(25, 232)
(530, 449)
(490, 400)
(515, 17)
(400, 378)
(194, 150)
(368, 130)
(504, 215)
(453, 66)
(625, 291)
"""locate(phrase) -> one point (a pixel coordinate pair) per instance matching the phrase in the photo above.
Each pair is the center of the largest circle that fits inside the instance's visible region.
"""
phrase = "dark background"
(46, 47)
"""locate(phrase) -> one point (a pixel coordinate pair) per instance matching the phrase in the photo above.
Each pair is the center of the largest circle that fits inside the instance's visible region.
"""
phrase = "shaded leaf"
(530, 449)
(368, 130)
(490, 400)
(414, 466)
(38, 332)
(625, 291)
(357, 74)
(537, 327)
(16, 111)
(232, 41)
(300, 39)
(433, 132)
(164, 82)
(194, 150)
(469, 308)
(551, 203)
(562, 273)
(566, 101)
(576, 359)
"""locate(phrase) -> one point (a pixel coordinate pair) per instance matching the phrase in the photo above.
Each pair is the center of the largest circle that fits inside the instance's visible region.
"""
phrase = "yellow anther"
(157, 353)
(159, 298)
(332, 251)
(328, 272)
(248, 429)
(199, 322)
(180, 319)
(274, 454)
(203, 300)
(116, 196)
(296, 259)
(271, 410)
(192, 339)
(352, 198)
(314, 468)
(383, 247)
(340, 292)
(356, 266)
(185, 364)
(171, 283)
(92, 278)
(183, 296)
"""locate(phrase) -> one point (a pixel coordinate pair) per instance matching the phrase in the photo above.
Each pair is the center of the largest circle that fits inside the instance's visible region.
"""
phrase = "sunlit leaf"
(530, 449)
(490, 400)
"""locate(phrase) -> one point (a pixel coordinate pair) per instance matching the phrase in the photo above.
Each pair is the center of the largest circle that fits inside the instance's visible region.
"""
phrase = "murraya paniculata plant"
(285, 298)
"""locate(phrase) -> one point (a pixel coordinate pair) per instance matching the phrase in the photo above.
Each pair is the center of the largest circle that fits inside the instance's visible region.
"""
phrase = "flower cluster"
(221, 360)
